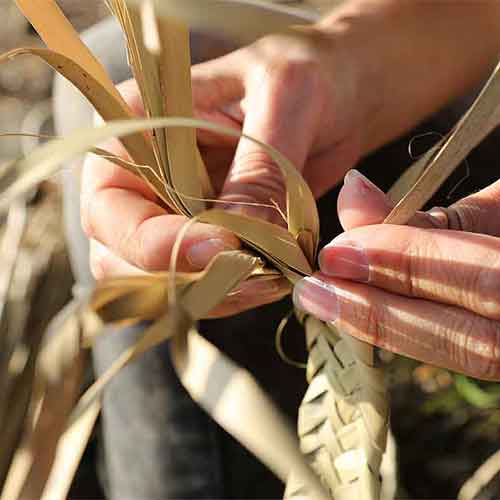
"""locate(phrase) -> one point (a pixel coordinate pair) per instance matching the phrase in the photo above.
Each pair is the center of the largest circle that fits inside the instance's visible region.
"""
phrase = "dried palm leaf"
(343, 418)
(22, 346)
(59, 376)
(58, 33)
(481, 478)
(479, 121)
(106, 105)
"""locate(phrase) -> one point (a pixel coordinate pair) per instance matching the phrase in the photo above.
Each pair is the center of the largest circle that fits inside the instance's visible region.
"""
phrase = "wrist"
(409, 59)
(355, 70)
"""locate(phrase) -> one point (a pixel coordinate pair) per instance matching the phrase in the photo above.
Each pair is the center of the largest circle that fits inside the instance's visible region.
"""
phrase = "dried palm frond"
(344, 418)
(27, 296)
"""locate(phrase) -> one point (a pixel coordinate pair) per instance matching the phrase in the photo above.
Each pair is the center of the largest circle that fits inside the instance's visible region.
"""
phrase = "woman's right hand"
(278, 90)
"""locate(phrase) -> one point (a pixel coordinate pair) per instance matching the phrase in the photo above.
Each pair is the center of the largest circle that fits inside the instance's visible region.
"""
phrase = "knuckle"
(421, 258)
(473, 344)
(291, 62)
(303, 77)
(494, 371)
(249, 162)
(256, 169)
(297, 71)
(461, 218)
(486, 364)
(375, 325)
(487, 290)
(455, 217)
(409, 264)
(409, 279)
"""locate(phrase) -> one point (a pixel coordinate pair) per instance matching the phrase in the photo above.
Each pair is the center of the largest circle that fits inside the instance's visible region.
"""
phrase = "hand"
(280, 91)
(430, 290)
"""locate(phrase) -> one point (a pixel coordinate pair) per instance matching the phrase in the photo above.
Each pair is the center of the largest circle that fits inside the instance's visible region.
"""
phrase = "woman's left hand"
(429, 290)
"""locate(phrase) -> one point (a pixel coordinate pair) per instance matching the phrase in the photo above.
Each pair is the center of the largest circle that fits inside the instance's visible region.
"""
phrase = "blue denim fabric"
(158, 443)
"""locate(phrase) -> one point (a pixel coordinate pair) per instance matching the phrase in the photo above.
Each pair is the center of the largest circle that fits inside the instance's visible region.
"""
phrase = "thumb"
(477, 213)
(274, 115)
(361, 203)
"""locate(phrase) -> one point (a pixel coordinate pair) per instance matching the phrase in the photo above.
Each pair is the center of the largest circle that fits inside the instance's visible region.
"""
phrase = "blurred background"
(445, 425)
(35, 273)
(25, 83)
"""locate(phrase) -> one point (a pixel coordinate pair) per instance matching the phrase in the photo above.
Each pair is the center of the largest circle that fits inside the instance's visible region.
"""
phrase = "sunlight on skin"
(435, 333)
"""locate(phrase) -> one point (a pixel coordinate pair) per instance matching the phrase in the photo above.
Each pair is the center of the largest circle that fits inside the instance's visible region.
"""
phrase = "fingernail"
(360, 183)
(317, 298)
(439, 218)
(200, 254)
(345, 261)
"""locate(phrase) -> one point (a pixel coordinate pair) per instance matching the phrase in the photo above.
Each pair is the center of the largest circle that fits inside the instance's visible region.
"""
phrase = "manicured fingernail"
(317, 298)
(360, 183)
(345, 261)
(200, 254)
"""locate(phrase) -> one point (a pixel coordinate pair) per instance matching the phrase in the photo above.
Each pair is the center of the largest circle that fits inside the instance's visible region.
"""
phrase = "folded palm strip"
(343, 419)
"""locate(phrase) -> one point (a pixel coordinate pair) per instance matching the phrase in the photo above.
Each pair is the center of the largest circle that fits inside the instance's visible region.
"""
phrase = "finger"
(142, 233)
(441, 335)
(218, 89)
(99, 173)
(275, 114)
(105, 264)
(118, 209)
(450, 267)
(220, 80)
(477, 213)
(361, 203)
